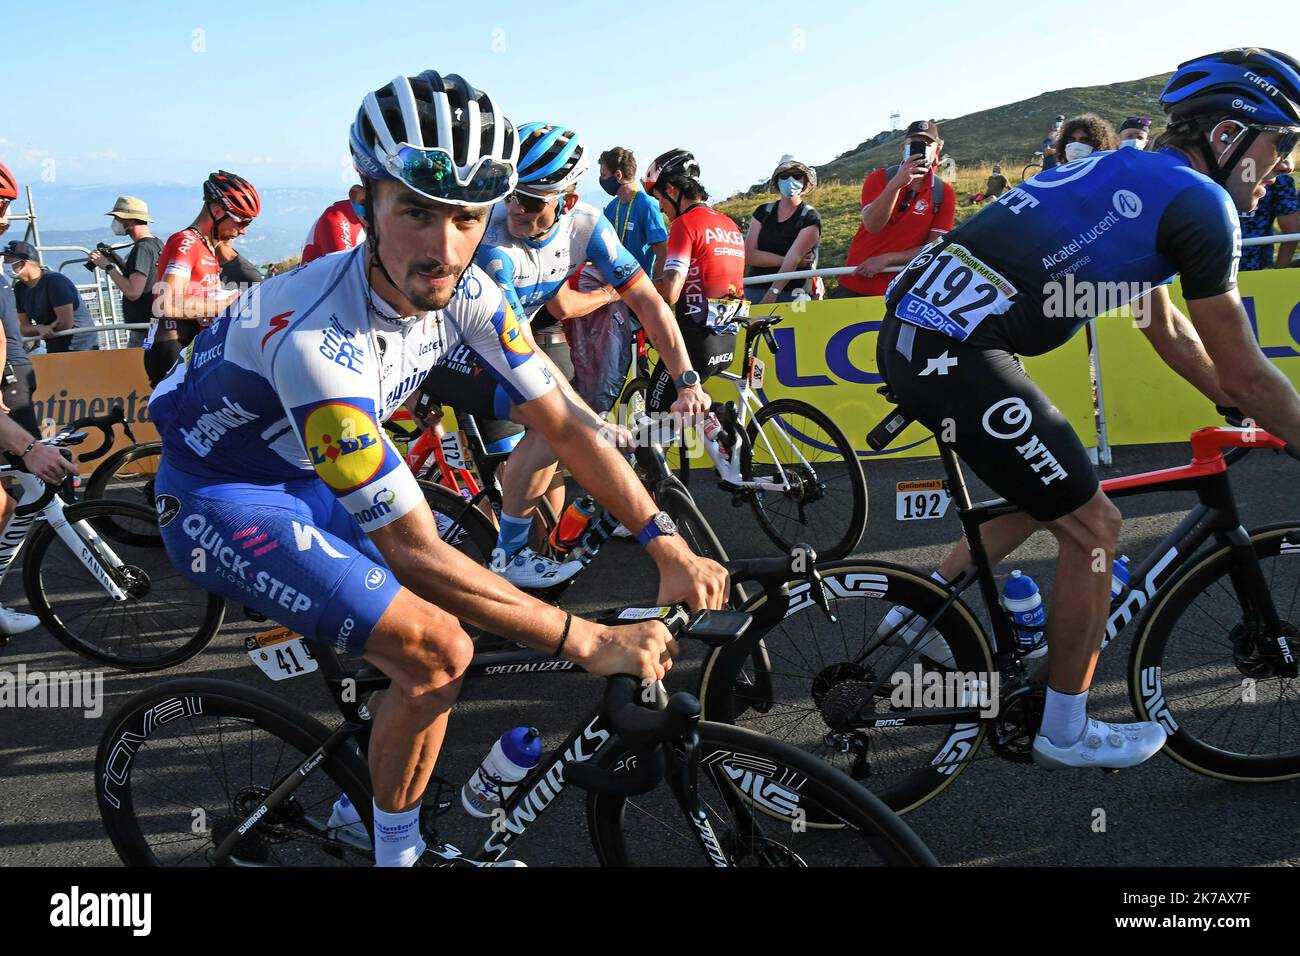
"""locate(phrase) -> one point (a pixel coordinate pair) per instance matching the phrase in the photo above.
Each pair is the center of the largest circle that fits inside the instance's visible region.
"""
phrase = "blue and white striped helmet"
(551, 159)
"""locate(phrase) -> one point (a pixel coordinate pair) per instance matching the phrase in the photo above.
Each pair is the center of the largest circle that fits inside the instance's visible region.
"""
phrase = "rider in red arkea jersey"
(703, 275)
(709, 248)
(187, 254)
(339, 227)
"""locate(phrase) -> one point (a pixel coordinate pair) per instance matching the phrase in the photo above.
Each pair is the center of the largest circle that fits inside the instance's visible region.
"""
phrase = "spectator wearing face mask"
(903, 208)
(1134, 132)
(1279, 202)
(48, 302)
(1084, 134)
(638, 223)
(135, 278)
(784, 234)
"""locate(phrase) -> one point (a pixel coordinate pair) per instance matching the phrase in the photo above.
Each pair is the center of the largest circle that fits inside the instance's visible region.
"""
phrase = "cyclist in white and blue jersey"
(279, 489)
(1023, 277)
(535, 242)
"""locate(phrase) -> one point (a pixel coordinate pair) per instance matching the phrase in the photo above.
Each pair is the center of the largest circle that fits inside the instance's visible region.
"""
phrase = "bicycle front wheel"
(799, 680)
(797, 447)
(165, 618)
(757, 794)
(184, 764)
(127, 475)
(1205, 666)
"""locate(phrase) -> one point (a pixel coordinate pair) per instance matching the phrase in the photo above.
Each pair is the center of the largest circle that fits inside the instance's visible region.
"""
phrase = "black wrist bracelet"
(30, 446)
(568, 620)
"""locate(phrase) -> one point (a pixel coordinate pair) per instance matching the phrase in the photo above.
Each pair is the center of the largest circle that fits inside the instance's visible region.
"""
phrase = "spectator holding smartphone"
(135, 278)
(784, 234)
(904, 207)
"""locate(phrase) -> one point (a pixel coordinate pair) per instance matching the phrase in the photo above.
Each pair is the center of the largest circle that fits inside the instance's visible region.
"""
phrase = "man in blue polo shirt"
(638, 223)
(48, 302)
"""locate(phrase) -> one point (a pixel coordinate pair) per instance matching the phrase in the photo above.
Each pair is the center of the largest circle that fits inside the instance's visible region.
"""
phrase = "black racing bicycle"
(207, 772)
(1214, 660)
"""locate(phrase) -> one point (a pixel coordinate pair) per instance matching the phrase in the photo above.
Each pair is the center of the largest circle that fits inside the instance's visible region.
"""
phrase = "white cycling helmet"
(440, 137)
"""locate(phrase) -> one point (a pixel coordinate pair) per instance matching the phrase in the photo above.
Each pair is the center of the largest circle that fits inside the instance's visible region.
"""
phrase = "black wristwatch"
(688, 379)
(660, 524)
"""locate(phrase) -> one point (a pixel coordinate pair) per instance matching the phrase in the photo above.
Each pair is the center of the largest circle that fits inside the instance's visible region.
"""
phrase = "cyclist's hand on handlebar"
(686, 578)
(691, 401)
(1231, 414)
(46, 463)
(645, 649)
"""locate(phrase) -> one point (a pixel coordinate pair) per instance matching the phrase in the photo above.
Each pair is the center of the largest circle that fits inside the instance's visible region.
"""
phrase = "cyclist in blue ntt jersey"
(535, 241)
(1024, 275)
(279, 489)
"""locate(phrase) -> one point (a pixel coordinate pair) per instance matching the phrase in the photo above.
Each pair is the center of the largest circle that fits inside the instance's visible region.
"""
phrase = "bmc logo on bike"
(1137, 599)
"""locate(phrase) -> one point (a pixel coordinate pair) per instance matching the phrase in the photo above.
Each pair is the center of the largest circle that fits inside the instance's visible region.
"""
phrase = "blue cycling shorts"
(289, 551)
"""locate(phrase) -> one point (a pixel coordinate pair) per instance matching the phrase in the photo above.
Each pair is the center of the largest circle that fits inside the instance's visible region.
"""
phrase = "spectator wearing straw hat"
(135, 278)
(784, 234)
(48, 302)
(1134, 132)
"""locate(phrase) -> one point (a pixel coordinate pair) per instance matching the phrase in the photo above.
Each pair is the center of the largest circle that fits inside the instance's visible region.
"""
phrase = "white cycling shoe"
(1107, 746)
(530, 571)
(444, 854)
(16, 622)
(934, 648)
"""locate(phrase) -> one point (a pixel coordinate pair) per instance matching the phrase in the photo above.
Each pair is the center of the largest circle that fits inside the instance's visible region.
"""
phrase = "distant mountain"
(74, 215)
(1014, 131)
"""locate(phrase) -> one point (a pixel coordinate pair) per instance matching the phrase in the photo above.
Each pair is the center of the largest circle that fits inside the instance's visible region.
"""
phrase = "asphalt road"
(996, 813)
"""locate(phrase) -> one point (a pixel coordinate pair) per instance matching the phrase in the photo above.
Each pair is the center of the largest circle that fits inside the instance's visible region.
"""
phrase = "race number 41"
(919, 500)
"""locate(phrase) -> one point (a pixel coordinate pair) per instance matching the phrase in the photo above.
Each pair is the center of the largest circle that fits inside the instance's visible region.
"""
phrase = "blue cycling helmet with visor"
(551, 159)
(1255, 87)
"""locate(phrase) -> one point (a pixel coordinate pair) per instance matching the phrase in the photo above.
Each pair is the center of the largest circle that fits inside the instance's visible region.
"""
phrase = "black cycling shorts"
(998, 420)
(709, 354)
(463, 384)
(158, 361)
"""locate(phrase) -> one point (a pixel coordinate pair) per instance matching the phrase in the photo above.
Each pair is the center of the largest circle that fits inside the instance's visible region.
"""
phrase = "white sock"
(1064, 717)
(397, 837)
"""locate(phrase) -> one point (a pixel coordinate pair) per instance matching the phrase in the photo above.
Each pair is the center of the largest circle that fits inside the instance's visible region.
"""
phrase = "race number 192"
(921, 500)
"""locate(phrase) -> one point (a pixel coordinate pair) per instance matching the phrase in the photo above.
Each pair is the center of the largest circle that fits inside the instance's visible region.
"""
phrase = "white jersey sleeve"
(491, 329)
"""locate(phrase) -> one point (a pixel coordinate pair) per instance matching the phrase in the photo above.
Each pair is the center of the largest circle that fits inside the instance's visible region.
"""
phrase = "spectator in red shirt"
(339, 227)
(899, 215)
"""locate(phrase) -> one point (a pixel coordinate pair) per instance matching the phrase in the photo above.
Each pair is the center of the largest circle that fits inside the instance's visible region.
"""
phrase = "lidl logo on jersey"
(343, 444)
(512, 335)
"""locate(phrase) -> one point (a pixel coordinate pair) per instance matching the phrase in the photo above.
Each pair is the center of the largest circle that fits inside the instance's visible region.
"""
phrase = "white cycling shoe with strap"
(530, 571)
(16, 622)
(1102, 745)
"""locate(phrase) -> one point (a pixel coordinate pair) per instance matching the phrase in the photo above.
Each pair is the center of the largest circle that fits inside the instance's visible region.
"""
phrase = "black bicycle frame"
(1215, 515)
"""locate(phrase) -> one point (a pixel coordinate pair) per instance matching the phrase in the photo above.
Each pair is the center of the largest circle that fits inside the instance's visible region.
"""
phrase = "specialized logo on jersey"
(344, 444)
(512, 335)
(278, 323)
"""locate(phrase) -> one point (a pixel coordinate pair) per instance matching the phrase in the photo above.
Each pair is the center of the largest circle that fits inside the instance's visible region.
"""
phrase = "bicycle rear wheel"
(184, 763)
(691, 523)
(826, 504)
(758, 794)
(165, 619)
(1204, 666)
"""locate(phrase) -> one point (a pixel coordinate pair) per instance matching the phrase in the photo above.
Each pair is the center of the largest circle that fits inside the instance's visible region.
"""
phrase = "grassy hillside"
(1006, 134)
(1015, 130)
(840, 207)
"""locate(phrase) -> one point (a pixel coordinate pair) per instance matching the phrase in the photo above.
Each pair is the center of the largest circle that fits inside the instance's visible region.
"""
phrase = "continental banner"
(1146, 401)
(72, 385)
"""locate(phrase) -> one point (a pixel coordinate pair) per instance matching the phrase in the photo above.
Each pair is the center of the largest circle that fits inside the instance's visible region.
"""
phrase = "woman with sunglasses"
(189, 291)
(784, 234)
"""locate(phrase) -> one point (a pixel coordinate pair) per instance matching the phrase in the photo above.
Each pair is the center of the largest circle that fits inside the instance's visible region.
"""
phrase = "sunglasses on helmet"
(432, 173)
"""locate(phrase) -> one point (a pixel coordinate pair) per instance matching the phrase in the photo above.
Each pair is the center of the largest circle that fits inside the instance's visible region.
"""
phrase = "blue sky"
(268, 89)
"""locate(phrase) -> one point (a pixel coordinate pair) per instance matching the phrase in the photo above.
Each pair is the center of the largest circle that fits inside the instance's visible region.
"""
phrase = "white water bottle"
(713, 435)
(511, 758)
